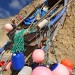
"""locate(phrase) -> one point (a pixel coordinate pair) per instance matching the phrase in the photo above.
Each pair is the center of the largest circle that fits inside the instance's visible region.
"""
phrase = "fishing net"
(18, 45)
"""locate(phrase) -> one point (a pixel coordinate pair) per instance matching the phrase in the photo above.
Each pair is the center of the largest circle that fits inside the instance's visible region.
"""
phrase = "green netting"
(18, 45)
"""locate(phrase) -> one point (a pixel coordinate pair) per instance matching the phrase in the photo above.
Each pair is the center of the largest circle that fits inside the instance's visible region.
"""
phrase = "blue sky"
(11, 7)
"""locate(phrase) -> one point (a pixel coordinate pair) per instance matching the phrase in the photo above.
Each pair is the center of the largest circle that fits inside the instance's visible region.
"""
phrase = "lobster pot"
(17, 61)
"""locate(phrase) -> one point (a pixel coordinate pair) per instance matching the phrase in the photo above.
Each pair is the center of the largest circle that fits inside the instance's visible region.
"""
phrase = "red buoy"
(20, 17)
(2, 63)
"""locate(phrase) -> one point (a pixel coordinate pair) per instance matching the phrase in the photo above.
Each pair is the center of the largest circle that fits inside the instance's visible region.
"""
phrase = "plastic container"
(17, 61)
(25, 71)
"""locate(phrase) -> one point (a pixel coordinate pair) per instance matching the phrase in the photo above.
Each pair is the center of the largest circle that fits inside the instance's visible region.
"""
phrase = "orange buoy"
(67, 63)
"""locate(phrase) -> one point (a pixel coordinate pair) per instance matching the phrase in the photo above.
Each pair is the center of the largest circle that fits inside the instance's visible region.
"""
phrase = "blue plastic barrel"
(18, 61)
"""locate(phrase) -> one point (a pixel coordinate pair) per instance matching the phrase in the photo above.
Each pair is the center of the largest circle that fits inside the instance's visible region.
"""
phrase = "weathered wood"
(11, 33)
(59, 9)
(48, 12)
(26, 11)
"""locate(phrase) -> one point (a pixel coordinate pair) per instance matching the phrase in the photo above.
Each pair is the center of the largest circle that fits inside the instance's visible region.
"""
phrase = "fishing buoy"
(41, 70)
(8, 66)
(67, 63)
(70, 70)
(59, 69)
(38, 56)
(2, 63)
(18, 61)
(8, 27)
(43, 23)
(20, 17)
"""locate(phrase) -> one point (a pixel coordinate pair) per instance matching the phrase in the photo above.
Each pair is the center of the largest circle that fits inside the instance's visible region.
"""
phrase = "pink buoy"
(60, 70)
(41, 70)
(8, 27)
(38, 56)
(70, 70)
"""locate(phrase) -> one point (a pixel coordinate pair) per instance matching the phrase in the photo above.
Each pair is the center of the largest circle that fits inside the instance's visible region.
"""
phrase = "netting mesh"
(18, 45)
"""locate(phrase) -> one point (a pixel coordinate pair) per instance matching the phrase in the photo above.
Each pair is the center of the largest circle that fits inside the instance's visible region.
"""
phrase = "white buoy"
(43, 23)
